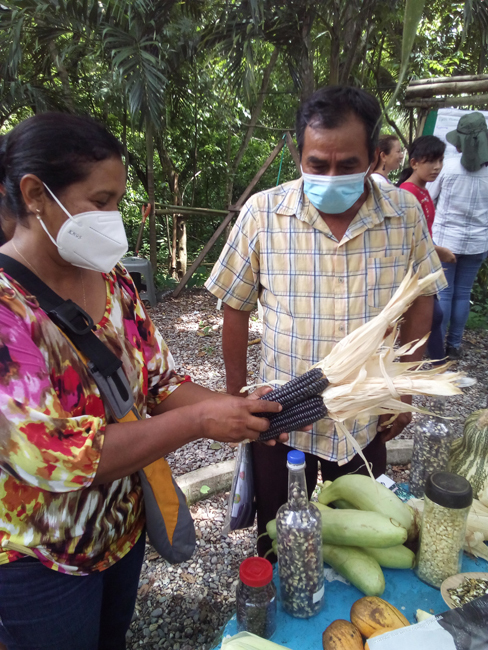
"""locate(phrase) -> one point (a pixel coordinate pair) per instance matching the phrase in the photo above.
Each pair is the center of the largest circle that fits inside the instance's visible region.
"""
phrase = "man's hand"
(401, 421)
(445, 255)
(259, 392)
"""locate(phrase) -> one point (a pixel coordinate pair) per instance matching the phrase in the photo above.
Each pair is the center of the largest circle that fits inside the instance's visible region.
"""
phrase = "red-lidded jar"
(256, 598)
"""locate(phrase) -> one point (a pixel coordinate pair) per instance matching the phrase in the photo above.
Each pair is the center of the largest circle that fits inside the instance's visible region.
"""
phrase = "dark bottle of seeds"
(432, 442)
(256, 598)
(299, 540)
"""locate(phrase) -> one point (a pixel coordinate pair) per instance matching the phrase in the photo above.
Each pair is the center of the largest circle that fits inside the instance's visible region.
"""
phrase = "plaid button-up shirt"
(461, 218)
(314, 289)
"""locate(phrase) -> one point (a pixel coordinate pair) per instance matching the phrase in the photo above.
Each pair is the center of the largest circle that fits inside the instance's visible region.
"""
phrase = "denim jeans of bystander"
(455, 298)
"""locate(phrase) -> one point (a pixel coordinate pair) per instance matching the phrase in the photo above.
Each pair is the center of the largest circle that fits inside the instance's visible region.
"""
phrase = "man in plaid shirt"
(323, 254)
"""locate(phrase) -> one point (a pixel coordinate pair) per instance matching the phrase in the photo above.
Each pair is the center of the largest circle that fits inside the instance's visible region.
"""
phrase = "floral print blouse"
(52, 424)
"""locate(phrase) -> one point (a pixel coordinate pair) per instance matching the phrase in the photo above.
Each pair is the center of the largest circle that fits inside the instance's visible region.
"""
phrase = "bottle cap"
(295, 457)
(449, 490)
(256, 572)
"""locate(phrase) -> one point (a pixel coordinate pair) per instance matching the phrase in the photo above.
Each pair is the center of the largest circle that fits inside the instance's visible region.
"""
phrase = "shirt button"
(341, 328)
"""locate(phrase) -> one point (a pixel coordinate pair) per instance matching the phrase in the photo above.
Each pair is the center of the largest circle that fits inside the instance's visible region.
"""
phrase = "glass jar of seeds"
(256, 598)
(448, 498)
(299, 543)
(432, 441)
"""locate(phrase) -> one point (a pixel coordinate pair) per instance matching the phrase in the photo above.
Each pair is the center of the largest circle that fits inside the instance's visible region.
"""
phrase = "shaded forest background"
(201, 91)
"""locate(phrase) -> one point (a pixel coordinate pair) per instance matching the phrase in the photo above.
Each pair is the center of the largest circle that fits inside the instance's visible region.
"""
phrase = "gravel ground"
(184, 607)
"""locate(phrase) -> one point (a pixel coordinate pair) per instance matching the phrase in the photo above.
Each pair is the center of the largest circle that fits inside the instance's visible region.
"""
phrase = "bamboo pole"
(441, 80)
(448, 88)
(445, 102)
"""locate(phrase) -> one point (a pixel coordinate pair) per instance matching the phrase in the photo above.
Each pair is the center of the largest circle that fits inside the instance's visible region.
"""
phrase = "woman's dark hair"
(427, 148)
(58, 148)
(331, 106)
(385, 145)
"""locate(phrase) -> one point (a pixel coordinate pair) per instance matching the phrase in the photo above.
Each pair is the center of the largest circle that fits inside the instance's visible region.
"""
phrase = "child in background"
(426, 157)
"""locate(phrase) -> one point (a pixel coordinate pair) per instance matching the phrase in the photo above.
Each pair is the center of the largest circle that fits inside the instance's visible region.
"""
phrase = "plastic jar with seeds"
(448, 498)
(256, 598)
(299, 542)
(431, 446)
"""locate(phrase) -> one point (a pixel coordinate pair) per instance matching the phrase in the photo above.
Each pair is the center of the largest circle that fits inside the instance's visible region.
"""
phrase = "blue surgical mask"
(333, 194)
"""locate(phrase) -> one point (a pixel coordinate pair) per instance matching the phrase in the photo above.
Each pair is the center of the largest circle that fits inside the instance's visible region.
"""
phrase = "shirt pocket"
(384, 277)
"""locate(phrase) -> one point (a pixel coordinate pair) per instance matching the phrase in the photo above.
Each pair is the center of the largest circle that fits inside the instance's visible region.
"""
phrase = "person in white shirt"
(461, 222)
(390, 158)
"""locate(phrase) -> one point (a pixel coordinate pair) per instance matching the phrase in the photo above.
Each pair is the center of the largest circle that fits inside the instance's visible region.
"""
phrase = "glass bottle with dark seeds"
(256, 598)
(299, 541)
(431, 446)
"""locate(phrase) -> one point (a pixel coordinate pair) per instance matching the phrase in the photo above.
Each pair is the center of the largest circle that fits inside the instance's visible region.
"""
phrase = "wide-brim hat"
(471, 137)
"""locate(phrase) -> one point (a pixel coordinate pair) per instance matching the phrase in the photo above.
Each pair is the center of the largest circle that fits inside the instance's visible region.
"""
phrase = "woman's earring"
(384, 166)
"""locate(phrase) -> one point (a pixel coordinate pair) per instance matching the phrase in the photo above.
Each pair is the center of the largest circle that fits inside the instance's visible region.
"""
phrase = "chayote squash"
(469, 454)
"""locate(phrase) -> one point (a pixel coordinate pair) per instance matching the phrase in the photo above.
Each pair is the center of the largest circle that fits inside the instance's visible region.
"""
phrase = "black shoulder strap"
(77, 325)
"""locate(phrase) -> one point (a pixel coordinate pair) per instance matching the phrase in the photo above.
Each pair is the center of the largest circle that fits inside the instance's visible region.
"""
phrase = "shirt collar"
(379, 205)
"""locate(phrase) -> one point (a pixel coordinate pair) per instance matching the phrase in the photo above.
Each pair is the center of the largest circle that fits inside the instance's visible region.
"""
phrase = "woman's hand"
(233, 419)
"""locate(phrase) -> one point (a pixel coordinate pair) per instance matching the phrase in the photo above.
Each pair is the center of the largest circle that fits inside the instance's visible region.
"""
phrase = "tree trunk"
(353, 42)
(172, 176)
(124, 138)
(63, 75)
(153, 249)
(255, 113)
(306, 64)
(181, 261)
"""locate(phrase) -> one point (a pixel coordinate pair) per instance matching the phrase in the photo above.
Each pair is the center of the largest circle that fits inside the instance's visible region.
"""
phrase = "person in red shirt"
(426, 157)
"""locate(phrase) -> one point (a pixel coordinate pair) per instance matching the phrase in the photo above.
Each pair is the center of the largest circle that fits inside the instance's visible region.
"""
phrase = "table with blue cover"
(403, 590)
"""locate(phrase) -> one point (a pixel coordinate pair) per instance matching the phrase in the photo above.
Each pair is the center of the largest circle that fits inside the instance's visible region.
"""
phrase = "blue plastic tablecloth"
(403, 590)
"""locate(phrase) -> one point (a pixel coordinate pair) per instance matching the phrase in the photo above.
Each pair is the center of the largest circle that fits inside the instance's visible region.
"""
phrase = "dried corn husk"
(476, 529)
(365, 376)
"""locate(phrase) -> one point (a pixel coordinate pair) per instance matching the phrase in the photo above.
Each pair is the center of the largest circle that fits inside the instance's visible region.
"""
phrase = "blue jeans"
(455, 298)
(42, 609)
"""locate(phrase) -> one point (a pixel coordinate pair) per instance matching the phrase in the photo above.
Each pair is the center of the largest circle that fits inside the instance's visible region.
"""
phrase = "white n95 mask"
(92, 240)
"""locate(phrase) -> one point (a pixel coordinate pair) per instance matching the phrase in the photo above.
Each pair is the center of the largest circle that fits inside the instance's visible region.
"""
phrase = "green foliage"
(193, 71)
(478, 317)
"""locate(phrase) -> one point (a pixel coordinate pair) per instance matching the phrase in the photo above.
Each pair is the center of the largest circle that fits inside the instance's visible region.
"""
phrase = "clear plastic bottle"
(256, 598)
(431, 446)
(448, 498)
(299, 540)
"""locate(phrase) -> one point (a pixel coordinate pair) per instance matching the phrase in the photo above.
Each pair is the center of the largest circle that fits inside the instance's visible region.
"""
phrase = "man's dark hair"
(331, 106)
(58, 148)
(427, 148)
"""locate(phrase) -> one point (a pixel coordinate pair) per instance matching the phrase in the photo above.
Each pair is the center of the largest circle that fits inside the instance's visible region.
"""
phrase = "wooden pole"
(445, 102)
(186, 209)
(451, 88)
(242, 199)
(441, 80)
(294, 151)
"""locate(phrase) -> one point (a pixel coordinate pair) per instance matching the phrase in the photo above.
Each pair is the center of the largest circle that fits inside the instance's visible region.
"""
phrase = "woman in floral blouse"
(71, 510)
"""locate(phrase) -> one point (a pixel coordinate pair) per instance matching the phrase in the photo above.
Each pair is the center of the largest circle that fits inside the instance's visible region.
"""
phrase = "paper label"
(318, 595)
(428, 635)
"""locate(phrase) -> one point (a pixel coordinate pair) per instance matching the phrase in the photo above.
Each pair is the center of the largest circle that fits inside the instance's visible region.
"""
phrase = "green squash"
(469, 454)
